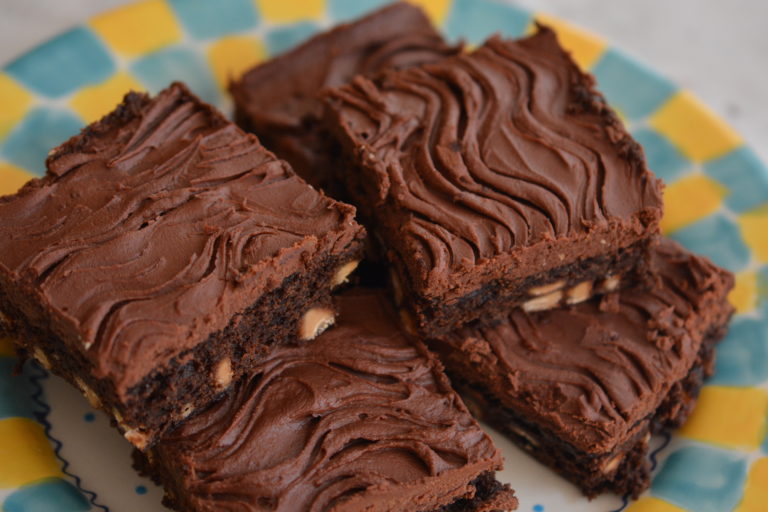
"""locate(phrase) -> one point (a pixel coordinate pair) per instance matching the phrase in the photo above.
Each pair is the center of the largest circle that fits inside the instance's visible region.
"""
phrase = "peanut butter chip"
(314, 322)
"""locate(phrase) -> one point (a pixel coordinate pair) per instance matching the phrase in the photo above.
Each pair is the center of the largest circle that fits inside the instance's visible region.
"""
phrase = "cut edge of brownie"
(199, 375)
(561, 286)
(625, 470)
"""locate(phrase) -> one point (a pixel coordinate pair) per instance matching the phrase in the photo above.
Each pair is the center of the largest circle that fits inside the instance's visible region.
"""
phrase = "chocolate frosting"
(590, 373)
(156, 225)
(362, 418)
(285, 116)
(502, 162)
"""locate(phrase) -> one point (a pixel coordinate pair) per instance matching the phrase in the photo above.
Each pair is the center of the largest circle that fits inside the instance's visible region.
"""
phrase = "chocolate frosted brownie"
(363, 418)
(495, 179)
(583, 388)
(278, 100)
(162, 254)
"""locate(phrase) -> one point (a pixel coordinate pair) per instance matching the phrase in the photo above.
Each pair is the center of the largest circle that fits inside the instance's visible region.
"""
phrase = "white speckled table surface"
(719, 50)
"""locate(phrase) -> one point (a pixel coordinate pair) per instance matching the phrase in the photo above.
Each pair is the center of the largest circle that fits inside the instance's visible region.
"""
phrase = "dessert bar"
(163, 253)
(495, 179)
(362, 418)
(584, 388)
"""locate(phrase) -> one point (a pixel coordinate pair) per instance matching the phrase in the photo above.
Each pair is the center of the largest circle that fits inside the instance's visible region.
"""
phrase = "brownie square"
(583, 388)
(163, 253)
(363, 418)
(286, 116)
(495, 179)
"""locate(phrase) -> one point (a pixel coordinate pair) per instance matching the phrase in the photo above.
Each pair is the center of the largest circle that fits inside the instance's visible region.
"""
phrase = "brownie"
(495, 179)
(286, 117)
(583, 388)
(363, 418)
(163, 253)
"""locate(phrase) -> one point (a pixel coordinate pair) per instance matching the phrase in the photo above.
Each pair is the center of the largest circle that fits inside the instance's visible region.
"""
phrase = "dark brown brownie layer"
(161, 234)
(623, 268)
(362, 418)
(287, 117)
(582, 388)
(632, 474)
(491, 170)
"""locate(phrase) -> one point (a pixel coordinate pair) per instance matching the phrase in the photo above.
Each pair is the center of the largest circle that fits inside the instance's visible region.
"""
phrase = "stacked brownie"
(520, 226)
(584, 388)
(181, 275)
(163, 253)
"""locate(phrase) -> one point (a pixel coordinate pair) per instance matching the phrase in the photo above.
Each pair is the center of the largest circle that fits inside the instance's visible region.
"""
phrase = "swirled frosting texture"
(362, 418)
(285, 117)
(589, 373)
(502, 162)
(156, 225)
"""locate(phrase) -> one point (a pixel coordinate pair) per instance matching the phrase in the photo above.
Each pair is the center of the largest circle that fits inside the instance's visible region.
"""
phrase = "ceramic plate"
(58, 454)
